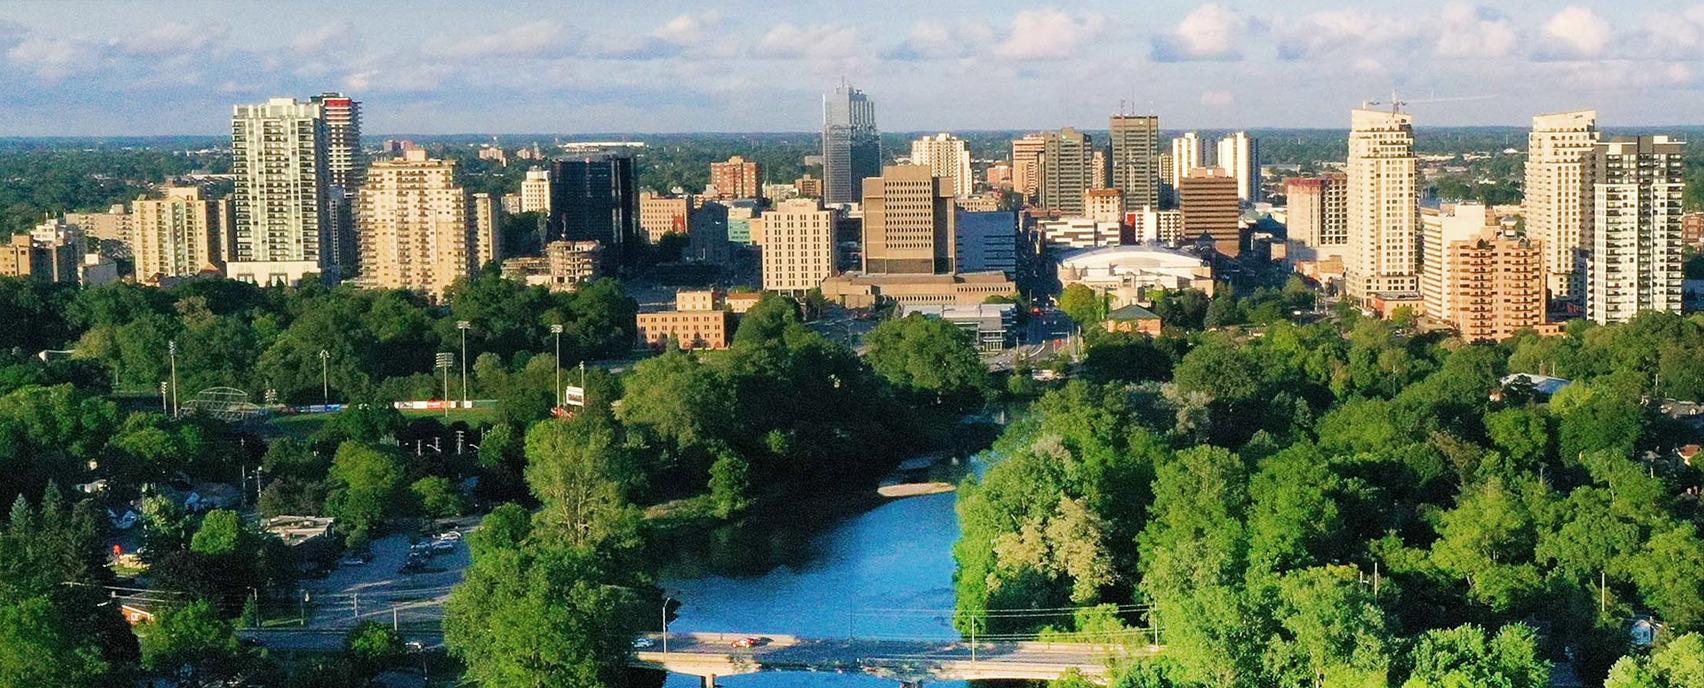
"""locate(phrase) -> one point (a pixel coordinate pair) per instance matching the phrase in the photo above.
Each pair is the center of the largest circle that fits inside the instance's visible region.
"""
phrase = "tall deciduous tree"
(931, 358)
(580, 472)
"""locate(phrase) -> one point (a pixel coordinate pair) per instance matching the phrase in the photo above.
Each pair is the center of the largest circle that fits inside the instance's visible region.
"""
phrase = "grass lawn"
(303, 426)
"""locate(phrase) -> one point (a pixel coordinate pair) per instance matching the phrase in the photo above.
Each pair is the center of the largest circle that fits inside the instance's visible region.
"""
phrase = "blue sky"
(90, 68)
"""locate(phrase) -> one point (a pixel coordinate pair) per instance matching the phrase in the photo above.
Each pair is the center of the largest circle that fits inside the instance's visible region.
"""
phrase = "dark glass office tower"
(593, 198)
(851, 145)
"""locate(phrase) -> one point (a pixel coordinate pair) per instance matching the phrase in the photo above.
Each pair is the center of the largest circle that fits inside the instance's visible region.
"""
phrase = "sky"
(575, 67)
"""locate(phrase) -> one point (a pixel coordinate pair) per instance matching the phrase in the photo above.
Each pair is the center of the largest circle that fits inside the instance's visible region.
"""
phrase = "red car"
(750, 642)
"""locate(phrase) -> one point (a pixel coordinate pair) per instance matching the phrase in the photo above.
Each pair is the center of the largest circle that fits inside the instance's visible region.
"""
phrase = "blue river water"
(885, 572)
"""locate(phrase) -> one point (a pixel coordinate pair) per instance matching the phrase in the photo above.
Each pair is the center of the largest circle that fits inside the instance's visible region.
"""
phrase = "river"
(852, 577)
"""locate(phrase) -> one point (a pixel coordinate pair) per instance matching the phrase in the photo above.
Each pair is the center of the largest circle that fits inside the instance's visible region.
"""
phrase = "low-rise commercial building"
(855, 290)
(697, 322)
(993, 326)
(1133, 318)
(1128, 274)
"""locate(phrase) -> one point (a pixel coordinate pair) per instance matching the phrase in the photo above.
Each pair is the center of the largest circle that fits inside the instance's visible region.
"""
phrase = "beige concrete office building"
(1103, 205)
(798, 245)
(1384, 216)
(908, 222)
(412, 225)
(1555, 187)
(660, 216)
(535, 192)
(178, 235)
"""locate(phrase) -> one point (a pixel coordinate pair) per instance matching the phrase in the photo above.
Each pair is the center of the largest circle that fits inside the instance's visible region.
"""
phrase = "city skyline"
(545, 68)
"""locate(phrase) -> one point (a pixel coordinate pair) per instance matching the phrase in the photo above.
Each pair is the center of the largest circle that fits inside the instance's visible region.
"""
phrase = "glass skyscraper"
(851, 146)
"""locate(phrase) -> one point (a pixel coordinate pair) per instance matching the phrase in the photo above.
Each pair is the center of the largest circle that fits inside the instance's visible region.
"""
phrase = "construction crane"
(1396, 103)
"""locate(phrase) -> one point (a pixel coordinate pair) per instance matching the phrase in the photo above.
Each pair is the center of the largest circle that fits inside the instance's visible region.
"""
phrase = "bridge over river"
(911, 662)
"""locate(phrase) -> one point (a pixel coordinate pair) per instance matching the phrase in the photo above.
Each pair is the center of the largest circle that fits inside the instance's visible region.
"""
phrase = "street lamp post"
(557, 331)
(171, 349)
(666, 602)
(325, 377)
(463, 325)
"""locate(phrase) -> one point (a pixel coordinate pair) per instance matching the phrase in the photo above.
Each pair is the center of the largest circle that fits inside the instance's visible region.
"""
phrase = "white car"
(452, 536)
(643, 643)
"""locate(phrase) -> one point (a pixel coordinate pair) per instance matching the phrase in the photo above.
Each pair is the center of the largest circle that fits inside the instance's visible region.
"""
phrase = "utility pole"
(445, 361)
(557, 331)
(171, 348)
(463, 325)
(1603, 593)
(325, 377)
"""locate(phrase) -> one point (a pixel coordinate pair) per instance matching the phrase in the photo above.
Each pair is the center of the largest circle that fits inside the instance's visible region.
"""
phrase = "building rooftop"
(1132, 312)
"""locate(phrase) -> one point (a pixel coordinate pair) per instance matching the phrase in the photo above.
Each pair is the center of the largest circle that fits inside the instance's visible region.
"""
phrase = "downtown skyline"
(85, 68)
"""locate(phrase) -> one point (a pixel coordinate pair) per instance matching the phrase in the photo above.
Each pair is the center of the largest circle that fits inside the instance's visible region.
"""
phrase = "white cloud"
(1678, 35)
(1322, 33)
(1678, 73)
(1217, 99)
(322, 37)
(53, 58)
(173, 39)
(533, 39)
(1048, 34)
(930, 40)
(1581, 30)
(1211, 32)
(690, 29)
(1370, 66)
(1472, 31)
(819, 41)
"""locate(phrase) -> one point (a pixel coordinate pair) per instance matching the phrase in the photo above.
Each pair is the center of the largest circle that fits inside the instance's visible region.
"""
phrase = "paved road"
(376, 591)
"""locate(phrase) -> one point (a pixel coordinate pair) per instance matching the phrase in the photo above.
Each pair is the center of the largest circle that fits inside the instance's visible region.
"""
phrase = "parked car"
(453, 536)
(354, 560)
(643, 643)
(750, 641)
(443, 545)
